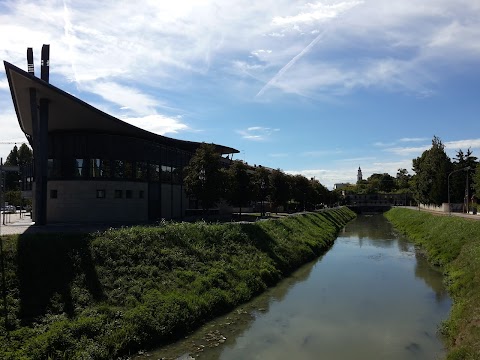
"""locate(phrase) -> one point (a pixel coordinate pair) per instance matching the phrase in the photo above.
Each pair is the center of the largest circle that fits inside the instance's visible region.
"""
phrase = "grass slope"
(454, 244)
(109, 294)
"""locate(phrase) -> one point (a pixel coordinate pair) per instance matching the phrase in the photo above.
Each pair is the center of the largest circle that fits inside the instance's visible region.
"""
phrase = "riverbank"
(454, 244)
(113, 293)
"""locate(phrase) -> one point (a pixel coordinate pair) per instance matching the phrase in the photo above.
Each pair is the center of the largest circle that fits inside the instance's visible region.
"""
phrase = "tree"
(402, 179)
(380, 183)
(203, 176)
(261, 186)
(301, 191)
(239, 185)
(17, 157)
(458, 180)
(320, 194)
(476, 181)
(279, 188)
(432, 169)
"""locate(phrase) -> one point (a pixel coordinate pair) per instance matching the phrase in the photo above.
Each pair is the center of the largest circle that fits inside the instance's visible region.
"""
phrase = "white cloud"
(403, 151)
(160, 44)
(463, 144)
(158, 124)
(10, 132)
(257, 133)
(3, 84)
(315, 12)
(126, 97)
(413, 139)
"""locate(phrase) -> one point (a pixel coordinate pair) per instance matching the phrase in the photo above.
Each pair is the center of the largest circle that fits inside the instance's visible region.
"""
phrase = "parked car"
(10, 209)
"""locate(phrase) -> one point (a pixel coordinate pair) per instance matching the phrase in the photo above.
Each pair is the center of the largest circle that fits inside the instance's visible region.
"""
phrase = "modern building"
(90, 166)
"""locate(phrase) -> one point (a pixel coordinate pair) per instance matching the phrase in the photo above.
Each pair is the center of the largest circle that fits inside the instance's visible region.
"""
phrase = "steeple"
(359, 175)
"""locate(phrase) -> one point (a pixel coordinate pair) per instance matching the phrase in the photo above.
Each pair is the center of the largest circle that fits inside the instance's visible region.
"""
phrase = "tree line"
(435, 177)
(207, 178)
(208, 181)
(11, 184)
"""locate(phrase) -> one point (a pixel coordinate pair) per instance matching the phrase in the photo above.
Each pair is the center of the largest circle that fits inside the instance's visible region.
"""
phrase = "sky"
(316, 88)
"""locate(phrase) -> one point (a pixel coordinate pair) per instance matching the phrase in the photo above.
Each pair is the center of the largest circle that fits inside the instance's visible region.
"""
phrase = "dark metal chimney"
(45, 68)
(31, 69)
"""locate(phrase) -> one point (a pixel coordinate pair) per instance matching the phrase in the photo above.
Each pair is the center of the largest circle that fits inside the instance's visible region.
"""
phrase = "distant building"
(359, 175)
(90, 166)
(340, 186)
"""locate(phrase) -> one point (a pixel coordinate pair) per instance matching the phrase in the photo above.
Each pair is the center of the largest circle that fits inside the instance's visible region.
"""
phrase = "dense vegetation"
(209, 178)
(112, 293)
(435, 175)
(454, 244)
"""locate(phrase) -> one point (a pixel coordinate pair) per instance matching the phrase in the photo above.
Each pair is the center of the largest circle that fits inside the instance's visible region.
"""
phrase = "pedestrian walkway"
(15, 223)
(462, 215)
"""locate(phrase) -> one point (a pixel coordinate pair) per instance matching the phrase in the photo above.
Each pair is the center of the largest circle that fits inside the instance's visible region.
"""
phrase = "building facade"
(92, 167)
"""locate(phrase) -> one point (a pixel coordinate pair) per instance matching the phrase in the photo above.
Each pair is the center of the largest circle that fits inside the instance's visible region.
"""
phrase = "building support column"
(42, 163)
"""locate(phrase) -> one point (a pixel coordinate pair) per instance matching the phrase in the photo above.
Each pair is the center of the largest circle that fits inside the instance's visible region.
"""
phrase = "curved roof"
(68, 113)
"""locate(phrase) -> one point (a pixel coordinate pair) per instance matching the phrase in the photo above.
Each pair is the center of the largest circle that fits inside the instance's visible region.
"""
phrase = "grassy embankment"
(454, 244)
(112, 293)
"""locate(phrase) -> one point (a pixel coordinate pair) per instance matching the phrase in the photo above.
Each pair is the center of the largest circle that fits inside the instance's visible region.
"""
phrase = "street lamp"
(262, 189)
(448, 183)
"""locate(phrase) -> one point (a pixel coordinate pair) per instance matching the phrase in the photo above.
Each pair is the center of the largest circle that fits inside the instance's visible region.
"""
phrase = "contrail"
(292, 62)
(67, 28)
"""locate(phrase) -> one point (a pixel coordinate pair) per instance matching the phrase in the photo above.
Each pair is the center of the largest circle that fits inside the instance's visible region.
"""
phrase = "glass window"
(141, 171)
(118, 194)
(106, 168)
(118, 169)
(128, 194)
(154, 172)
(128, 170)
(53, 194)
(95, 168)
(81, 168)
(141, 194)
(101, 194)
(166, 173)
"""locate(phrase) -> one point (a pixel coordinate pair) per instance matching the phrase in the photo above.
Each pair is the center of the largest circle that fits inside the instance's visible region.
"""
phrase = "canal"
(371, 296)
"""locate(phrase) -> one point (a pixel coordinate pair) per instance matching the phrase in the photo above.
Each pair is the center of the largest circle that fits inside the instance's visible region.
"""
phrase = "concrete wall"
(77, 202)
(443, 207)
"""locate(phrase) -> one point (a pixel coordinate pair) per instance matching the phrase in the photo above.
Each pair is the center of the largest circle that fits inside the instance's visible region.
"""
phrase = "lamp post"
(448, 183)
(262, 189)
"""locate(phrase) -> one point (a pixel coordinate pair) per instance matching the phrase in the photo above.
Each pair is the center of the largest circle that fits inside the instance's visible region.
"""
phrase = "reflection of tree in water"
(431, 276)
(375, 229)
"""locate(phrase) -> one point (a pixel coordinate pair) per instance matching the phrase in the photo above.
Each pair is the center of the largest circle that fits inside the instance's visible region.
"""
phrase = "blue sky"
(317, 88)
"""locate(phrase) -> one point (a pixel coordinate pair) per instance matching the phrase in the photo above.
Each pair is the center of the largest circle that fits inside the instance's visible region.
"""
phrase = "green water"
(371, 296)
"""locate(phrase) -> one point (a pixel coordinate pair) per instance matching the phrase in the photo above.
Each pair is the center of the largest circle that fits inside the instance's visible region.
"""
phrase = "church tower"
(359, 175)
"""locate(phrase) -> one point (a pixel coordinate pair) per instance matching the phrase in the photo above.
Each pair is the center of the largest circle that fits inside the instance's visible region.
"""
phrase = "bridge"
(373, 207)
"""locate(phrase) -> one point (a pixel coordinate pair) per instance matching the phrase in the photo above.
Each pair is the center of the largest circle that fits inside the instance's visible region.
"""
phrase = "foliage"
(22, 156)
(402, 179)
(301, 191)
(239, 185)
(260, 185)
(280, 192)
(458, 180)
(454, 244)
(112, 293)
(13, 197)
(380, 183)
(431, 169)
(476, 181)
(203, 176)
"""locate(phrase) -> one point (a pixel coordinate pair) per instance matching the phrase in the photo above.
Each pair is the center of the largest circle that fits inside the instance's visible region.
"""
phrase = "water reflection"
(431, 276)
(370, 296)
